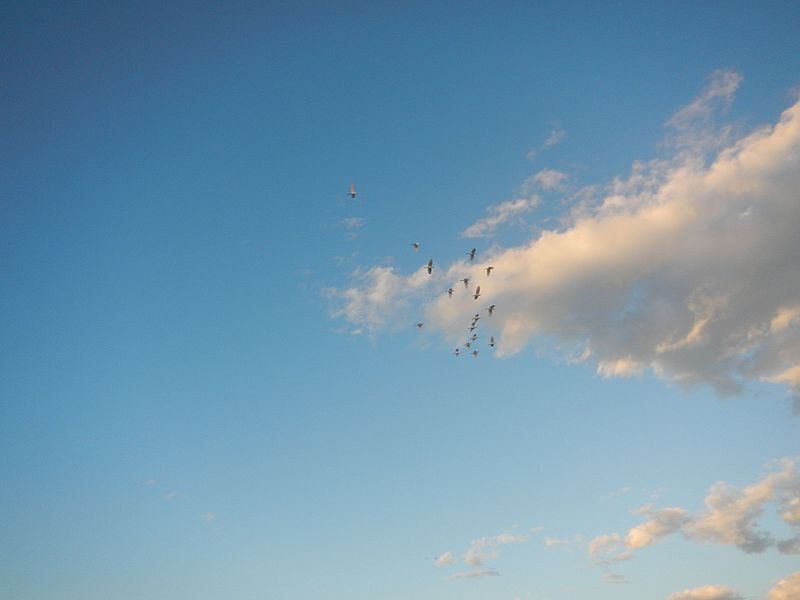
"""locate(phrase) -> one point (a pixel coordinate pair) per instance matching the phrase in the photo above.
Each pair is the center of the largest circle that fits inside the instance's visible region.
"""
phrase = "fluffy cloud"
(707, 592)
(660, 523)
(787, 588)
(484, 548)
(688, 267)
(499, 214)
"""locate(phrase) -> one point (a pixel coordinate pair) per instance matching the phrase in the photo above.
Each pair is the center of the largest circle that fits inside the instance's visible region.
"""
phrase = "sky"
(212, 381)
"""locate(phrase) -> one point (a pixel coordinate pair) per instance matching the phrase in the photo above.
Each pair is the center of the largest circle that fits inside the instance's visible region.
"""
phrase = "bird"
(491, 342)
(465, 281)
(471, 254)
(489, 271)
(474, 354)
(415, 245)
(491, 309)
(457, 352)
(449, 292)
(353, 192)
(419, 325)
(473, 328)
(468, 345)
(429, 266)
(474, 337)
(477, 293)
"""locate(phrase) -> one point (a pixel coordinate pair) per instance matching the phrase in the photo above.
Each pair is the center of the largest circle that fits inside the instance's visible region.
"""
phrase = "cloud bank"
(689, 267)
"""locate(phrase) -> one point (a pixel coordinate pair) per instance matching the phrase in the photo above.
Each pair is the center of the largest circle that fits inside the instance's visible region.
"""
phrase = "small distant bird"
(457, 352)
(471, 254)
(474, 354)
(477, 293)
(489, 271)
(419, 325)
(429, 266)
(415, 245)
(474, 337)
(353, 192)
(465, 281)
(449, 292)
(473, 328)
(468, 345)
(491, 309)
(491, 342)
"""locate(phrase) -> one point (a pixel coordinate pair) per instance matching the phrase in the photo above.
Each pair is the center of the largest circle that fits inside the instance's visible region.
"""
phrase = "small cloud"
(150, 482)
(170, 495)
(550, 542)
(444, 559)
(620, 492)
(352, 223)
(614, 578)
(787, 588)
(546, 179)
(553, 138)
(707, 592)
(474, 574)
(499, 214)
(208, 516)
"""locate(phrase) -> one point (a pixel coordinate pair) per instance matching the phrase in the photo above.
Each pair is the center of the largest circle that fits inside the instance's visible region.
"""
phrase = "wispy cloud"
(208, 516)
(485, 548)
(687, 268)
(444, 559)
(553, 138)
(499, 214)
(474, 574)
(352, 223)
(170, 495)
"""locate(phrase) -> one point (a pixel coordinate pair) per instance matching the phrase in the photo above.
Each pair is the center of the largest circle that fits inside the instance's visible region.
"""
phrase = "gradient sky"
(211, 385)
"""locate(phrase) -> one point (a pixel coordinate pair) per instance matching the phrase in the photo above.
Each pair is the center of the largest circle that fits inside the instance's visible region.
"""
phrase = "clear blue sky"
(185, 410)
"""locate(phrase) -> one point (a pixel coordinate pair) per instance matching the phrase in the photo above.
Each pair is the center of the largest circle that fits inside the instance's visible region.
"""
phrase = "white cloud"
(707, 592)
(170, 495)
(787, 588)
(208, 516)
(607, 549)
(689, 267)
(614, 578)
(553, 138)
(499, 214)
(150, 482)
(352, 223)
(444, 559)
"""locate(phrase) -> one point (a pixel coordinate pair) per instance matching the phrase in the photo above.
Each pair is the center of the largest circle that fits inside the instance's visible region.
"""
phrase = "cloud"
(499, 214)
(208, 516)
(688, 267)
(659, 524)
(614, 578)
(444, 559)
(553, 138)
(483, 549)
(707, 592)
(352, 223)
(150, 482)
(473, 574)
(786, 589)
(731, 517)
(170, 495)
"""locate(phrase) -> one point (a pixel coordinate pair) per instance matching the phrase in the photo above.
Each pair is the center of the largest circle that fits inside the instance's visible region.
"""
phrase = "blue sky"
(211, 384)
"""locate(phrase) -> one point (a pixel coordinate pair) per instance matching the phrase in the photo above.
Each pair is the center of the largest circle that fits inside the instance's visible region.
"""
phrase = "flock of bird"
(472, 337)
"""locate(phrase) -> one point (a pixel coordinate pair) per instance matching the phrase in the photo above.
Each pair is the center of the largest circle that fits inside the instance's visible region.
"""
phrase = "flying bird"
(415, 245)
(468, 345)
(474, 354)
(473, 328)
(471, 254)
(477, 293)
(491, 342)
(491, 309)
(353, 192)
(419, 325)
(489, 271)
(449, 292)
(457, 352)
(429, 266)
(465, 281)
(474, 337)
